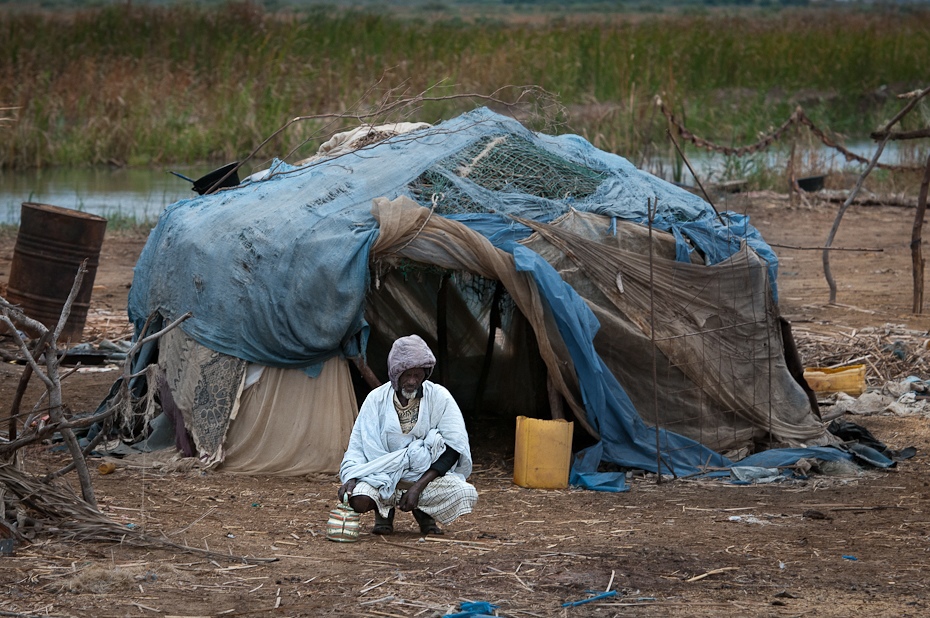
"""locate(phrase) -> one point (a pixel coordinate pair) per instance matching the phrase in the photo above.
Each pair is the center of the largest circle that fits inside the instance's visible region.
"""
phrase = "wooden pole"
(556, 404)
(367, 374)
(839, 217)
(885, 135)
(494, 323)
(794, 191)
(916, 254)
(442, 329)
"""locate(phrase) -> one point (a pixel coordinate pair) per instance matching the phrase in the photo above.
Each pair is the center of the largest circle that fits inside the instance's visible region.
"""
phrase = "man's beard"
(408, 395)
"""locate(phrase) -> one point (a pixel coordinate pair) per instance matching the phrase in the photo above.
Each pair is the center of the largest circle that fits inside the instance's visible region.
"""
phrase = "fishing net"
(506, 164)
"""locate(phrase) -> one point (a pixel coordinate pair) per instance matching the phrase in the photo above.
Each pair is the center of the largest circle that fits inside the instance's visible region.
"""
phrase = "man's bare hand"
(410, 499)
(347, 488)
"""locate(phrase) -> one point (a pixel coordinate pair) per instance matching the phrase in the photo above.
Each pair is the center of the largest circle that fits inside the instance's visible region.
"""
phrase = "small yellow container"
(542, 453)
(829, 380)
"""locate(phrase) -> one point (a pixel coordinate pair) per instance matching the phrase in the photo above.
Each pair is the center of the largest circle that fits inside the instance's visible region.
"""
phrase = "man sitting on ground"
(409, 448)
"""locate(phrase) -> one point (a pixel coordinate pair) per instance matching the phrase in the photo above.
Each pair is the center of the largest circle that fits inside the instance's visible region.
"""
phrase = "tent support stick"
(494, 322)
(556, 405)
(651, 209)
(442, 329)
(367, 374)
(696, 178)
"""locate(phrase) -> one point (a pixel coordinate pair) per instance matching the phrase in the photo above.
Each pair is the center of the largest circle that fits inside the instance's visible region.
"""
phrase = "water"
(715, 167)
(135, 194)
(141, 195)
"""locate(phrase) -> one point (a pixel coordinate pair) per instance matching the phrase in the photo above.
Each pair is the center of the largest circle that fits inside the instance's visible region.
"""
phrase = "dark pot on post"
(811, 183)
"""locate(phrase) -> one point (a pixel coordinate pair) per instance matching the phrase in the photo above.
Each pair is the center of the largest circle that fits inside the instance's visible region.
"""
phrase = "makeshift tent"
(542, 271)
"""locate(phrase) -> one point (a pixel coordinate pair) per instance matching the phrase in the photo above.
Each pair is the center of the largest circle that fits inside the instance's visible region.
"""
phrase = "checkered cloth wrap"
(445, 498)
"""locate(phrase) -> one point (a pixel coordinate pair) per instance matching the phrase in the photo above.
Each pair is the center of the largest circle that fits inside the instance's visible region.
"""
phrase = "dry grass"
(141, 85)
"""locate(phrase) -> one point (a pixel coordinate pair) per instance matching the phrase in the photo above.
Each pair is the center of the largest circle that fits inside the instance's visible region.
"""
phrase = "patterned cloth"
(408, 414)
(445, 498)
(205, 388)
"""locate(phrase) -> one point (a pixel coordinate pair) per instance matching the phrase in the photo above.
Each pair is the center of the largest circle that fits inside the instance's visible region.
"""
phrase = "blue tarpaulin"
(276, 271)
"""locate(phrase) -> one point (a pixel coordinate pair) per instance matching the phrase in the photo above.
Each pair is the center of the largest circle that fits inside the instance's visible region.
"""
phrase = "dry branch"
(902, 135)
(839, 217)
(391, 103)
(891, 353)
(886, 133)
(14, 319)
(51, 377)
(62, 510)
(709, 573)
(123, 402)
(798, 117)
(870, 200)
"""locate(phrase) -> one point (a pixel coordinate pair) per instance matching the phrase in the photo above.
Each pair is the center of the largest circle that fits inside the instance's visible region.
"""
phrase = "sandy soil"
(854, 542)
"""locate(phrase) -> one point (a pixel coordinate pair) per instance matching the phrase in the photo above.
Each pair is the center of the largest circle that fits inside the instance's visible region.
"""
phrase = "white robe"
(381, 455)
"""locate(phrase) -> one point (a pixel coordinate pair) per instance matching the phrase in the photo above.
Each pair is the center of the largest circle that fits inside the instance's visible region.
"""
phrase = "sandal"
(383, 525)
(427, 523)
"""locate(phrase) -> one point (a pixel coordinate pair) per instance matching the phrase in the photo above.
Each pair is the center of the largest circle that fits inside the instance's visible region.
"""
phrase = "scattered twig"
(880, 507)
(709, 573)
(426, 549)
(145, 607)
(863, 249)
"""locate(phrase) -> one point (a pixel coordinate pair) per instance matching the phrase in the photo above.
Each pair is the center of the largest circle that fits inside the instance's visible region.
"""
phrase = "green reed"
(141, 85)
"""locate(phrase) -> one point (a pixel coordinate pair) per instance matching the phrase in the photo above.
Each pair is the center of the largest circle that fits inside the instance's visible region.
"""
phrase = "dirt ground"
(856, 542)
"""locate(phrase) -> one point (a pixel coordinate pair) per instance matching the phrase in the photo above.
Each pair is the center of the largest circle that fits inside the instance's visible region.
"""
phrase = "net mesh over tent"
(502, 163)
(543, 272)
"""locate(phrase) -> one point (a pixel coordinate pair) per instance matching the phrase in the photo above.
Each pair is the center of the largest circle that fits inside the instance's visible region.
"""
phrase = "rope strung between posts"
(797, 117)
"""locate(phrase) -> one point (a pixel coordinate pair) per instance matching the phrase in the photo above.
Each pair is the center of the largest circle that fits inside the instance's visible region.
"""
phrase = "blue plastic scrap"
(584, 472)
(756, 474)
(474, 609)
(603, 595)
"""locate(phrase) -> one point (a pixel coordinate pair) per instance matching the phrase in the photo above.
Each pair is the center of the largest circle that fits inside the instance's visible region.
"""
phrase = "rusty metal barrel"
(50, 246)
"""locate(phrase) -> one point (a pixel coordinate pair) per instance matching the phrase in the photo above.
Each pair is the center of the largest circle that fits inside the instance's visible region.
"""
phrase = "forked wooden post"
(916, 253)
(883, 135)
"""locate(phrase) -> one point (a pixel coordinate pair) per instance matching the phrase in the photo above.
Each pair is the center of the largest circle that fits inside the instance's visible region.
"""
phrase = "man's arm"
(446, 461)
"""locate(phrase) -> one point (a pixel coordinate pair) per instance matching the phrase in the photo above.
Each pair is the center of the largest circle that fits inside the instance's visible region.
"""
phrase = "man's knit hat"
(408, 353)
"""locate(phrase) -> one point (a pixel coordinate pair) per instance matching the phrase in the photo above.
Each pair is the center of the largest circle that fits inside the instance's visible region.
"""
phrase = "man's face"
(410, 382)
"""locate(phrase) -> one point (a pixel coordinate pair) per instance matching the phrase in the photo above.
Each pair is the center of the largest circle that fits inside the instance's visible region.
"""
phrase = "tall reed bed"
(140, 85)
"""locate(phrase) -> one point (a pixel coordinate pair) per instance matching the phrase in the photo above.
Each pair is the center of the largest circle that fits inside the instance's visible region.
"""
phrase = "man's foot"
(427, 523)
(383, 525)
